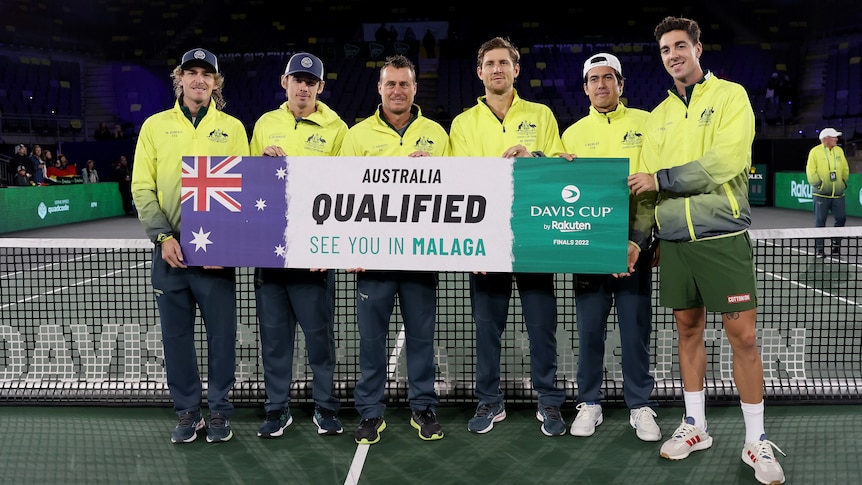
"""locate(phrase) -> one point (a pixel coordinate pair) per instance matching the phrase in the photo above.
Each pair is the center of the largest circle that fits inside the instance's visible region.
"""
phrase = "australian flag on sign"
(234, 211)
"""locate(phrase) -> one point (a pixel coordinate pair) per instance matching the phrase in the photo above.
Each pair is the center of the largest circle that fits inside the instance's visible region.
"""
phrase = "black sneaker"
(369, 430)
(426, 422)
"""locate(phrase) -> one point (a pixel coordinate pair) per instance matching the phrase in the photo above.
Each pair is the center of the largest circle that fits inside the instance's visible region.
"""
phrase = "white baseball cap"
(829, 132)
(603, 59)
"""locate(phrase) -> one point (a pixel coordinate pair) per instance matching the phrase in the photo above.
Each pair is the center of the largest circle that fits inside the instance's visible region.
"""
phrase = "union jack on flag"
(207, 178)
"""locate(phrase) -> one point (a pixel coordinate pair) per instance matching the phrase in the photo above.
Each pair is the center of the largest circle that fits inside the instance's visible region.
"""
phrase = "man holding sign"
(397, 128)
(612, 129)
(503, 124)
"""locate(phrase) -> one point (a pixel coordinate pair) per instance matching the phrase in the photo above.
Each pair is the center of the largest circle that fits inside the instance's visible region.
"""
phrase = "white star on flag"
(281, 173)
(279, 250)
(201, 239)
(260, 204)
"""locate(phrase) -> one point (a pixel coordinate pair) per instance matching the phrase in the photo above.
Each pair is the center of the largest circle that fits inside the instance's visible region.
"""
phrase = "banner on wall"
(400, 213)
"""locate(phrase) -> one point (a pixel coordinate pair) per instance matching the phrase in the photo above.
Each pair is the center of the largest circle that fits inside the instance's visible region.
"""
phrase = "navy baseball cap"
(305, 62)
(201, 58)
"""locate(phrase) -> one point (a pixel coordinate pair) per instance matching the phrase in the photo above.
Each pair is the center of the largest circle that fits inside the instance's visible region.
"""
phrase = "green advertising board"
(792, 191)
(42, 206)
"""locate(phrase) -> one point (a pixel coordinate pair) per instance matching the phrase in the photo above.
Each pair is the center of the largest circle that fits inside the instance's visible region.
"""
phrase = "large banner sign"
(401, 213)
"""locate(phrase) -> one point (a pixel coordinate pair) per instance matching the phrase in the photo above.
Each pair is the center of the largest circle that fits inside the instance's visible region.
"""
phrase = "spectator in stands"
(123, 177)
(102, 132)
(196, 125)
(828, 171)
(409, 34)
(117, 132)
(397, 128)
(89, 173)
(610, 131)
(21, 158)
(381, 35)
(393, 34)
(22, 178)
(491, 129)
(287, 296)
(702, 218)
(49, 160)
(429, 43)
(39, 170)
(773, 86)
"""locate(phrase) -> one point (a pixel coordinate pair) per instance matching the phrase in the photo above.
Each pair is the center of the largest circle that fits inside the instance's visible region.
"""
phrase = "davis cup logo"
(571, 194)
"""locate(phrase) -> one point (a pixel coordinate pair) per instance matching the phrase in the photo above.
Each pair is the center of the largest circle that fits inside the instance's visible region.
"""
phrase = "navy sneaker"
(485, 417)
(275, 423)
(552, 420)
(187, 428)
(427, 424)
(219, 428)
(369, 430)
(327, 421)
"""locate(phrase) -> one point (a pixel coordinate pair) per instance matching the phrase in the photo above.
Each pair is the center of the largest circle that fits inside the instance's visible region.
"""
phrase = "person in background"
(828, 171)
(123, 177)
(491, 128)
(22, 178)
(612, 130)
(195, 125)
(102, 132)
(19, 159)
(89, 173)
(397, 128)
(301, 126)
(40, 172)
(696, 158)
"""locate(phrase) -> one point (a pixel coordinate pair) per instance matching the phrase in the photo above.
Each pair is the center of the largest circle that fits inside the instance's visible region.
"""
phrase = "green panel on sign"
(570, 217)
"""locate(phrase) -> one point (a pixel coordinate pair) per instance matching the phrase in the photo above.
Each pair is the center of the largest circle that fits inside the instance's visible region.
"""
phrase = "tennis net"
(79, 325)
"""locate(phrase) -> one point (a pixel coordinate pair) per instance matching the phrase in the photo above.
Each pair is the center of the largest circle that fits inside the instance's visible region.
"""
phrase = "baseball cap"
(21, 167)
(304, 62)
(19, 146)
(603, 59)
(829, 132)
(200, 57)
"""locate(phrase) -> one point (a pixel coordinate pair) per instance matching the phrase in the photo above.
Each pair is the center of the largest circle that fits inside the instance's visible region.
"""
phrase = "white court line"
(815, 290)
(64, 288)
(358, 462)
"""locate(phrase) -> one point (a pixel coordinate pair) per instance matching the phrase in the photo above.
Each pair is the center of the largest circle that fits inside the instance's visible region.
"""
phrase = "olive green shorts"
(714, 273)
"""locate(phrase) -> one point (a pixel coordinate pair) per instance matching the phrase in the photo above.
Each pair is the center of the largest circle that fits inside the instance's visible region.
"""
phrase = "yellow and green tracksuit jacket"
(821, 163)
(320, 134)
(164, 139)
(616, 134)
(374, 136)
(477, 132)
(700, 153)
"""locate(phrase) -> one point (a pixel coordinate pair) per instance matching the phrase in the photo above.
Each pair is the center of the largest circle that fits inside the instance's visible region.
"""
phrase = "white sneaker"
(758, 455)
(589, 416)
(643, 421)
(685, 439)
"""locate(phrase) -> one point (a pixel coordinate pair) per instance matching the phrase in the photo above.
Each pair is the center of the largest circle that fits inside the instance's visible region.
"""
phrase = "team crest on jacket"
(527, 128)
(424, 144)
(315, 143)
(218, 136)
(632, 138)
(706, 117)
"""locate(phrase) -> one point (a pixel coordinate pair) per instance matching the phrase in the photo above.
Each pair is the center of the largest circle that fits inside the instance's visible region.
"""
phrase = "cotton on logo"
(571, 194)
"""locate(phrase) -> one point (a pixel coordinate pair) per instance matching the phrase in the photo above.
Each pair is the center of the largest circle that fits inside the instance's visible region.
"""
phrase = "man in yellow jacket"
(194, 126)
(827, 170)
(501, 124)
(302, 126)
(396, 128)
(613, 130)
(696, 155)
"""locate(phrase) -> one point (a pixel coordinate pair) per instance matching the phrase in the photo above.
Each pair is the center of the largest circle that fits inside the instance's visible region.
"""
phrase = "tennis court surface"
(81, 379)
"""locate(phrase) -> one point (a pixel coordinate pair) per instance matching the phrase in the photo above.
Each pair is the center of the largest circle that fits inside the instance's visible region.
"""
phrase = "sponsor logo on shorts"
(739, 298)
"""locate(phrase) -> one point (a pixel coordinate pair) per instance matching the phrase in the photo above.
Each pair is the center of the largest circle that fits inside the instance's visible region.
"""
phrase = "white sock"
(753, 415)
(695, 407)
